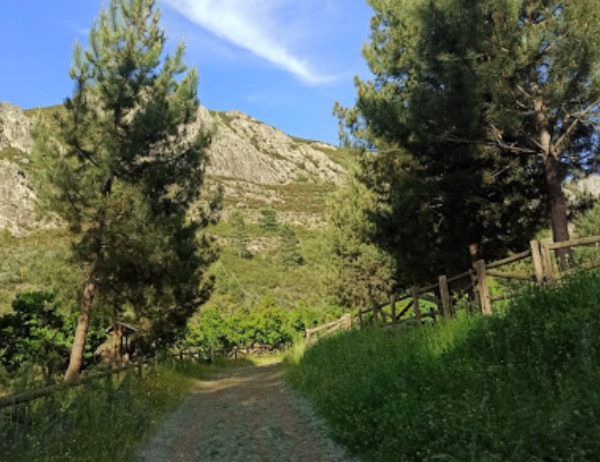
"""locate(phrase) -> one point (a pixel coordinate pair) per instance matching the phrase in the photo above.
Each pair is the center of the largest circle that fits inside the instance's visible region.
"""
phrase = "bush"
(219, 327)
(36, 337)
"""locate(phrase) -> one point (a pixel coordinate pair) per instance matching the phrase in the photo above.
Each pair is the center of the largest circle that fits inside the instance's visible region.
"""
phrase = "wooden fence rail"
(31, 395)
(344, 323)
(543, 270)
(210, 354)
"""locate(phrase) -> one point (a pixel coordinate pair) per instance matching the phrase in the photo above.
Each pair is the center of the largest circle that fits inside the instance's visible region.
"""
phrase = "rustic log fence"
(210, 354)
(46, 392)
(474, 283)
(313, 334)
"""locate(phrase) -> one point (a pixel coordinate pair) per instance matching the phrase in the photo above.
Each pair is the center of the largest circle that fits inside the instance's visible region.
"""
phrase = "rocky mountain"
(257, 165)
(16, 195)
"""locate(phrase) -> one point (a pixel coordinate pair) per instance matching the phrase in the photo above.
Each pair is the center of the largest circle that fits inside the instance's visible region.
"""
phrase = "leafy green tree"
(123, 167)
(478, 112)
(268, 219)
(289, 247)
(34, 332)
(37, 334)
(360, 273)
(240, 235)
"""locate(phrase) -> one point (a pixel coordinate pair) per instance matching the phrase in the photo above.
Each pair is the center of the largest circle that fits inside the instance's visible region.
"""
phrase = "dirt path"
(245, 414)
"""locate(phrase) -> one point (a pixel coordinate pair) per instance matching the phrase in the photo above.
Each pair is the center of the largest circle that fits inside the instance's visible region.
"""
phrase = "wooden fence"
(31, 395)
(344, 323)
(210, 354)
(447, 291)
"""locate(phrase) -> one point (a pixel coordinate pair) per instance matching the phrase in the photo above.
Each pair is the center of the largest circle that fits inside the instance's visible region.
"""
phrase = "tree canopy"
(475, 115)
(359, 273)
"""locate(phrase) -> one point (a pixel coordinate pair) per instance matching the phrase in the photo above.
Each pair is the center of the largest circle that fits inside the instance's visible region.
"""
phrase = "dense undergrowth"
(522, 385)
(105, 420)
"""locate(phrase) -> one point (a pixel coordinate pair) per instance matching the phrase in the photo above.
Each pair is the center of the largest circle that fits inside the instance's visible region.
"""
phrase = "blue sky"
(284, 62)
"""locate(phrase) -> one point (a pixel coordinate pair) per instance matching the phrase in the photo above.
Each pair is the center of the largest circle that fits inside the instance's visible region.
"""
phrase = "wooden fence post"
(547, 260)
(347, 322)
(393, 307)
(537, 260)
(483, 290)
(445, 300)
(416, 308)
(360, 318)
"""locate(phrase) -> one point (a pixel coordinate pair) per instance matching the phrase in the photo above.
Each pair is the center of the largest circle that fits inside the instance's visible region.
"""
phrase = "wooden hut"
(123, 341)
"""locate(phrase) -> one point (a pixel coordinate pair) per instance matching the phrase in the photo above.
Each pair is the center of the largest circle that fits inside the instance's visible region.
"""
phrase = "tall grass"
(105, 420)
(522, 386)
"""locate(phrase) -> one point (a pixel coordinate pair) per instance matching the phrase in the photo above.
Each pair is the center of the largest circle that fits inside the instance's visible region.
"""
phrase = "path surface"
(244, 414)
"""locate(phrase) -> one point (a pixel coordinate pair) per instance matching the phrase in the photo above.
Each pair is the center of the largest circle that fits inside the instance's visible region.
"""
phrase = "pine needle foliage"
(123, 168)
(474, 116)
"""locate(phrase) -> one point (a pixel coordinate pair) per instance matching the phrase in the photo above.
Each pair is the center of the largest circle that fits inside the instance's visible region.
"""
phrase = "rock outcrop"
(15, 129)
(589, 185)
(17, 199)
(251, 159)
(244, 148)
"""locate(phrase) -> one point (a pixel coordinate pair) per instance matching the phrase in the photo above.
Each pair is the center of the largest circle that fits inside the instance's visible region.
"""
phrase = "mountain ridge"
(257, 165)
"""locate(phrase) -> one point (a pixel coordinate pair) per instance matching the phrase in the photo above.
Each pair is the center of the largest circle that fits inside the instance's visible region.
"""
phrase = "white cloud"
(253, 25)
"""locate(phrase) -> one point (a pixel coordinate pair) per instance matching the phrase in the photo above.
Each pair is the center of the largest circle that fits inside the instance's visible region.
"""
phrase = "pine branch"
(579, 117)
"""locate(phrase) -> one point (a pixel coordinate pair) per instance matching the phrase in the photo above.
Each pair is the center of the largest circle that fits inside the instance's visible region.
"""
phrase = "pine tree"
(123, 169)
(451, 112)
(268, 220)
(360, 274)
(240, 235)
(289, 247)
(542, 73)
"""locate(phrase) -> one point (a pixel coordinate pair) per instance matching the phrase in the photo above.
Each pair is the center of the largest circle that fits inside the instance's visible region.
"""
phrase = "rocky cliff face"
(257, 165)
(15, 129)
(245, 149)
(17, 199)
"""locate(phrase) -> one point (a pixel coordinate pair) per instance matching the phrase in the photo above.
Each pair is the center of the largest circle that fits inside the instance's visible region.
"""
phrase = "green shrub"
(521, 386)
(35, 337)
(266, 323)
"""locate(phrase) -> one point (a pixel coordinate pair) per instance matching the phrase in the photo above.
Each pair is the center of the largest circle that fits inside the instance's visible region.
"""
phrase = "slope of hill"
(257, 165)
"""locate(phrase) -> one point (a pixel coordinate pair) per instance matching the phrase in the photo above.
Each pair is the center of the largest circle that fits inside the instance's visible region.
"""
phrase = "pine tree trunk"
(83, 323)
(556, 195)
(558, 211)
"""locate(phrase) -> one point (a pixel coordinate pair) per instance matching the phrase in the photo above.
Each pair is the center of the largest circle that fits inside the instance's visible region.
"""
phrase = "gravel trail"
(244, 414)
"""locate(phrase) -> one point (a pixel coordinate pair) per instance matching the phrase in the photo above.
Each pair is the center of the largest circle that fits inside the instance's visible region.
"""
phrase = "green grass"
(515, 387)
(47, 111)
(106, 420)
(247, 281)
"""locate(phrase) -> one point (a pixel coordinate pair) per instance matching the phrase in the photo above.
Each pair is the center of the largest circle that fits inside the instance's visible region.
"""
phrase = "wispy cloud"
(253, 25)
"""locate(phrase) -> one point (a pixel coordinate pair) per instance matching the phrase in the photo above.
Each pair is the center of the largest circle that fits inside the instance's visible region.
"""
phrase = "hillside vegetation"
(518, 386)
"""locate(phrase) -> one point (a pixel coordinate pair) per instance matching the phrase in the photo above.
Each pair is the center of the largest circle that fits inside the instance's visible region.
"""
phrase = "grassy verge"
(520, 386)
(105, 420)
